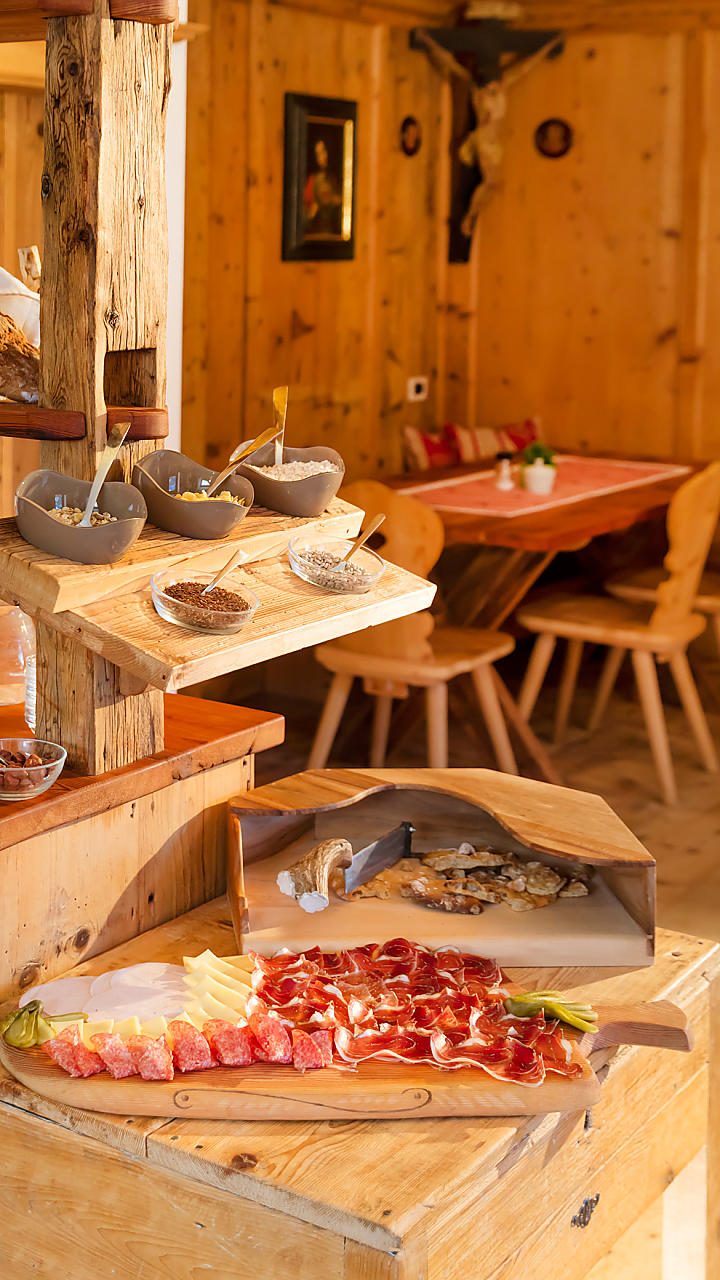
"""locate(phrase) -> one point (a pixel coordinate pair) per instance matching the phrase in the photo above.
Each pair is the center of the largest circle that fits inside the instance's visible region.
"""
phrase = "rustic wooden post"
(103, 307)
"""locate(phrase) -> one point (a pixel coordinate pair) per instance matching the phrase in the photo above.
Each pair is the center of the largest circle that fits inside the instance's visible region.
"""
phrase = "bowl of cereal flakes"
(175, 489)
(49, 507)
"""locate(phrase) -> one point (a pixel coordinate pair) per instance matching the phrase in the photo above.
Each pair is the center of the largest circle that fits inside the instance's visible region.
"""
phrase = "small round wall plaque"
(553, 138)
(410, 136)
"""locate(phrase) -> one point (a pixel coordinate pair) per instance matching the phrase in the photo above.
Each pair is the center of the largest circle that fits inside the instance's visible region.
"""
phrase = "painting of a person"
(322, 196)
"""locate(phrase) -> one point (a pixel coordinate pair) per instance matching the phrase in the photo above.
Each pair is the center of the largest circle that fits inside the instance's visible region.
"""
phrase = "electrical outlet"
(417, 388)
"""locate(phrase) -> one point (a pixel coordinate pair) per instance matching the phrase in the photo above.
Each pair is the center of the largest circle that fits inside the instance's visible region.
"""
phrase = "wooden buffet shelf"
(393, 1200)
(292, 615)
(39, 581)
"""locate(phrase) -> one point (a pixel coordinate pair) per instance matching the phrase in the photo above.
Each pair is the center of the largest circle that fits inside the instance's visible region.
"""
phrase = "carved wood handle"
(658, 1023)
(308, 880)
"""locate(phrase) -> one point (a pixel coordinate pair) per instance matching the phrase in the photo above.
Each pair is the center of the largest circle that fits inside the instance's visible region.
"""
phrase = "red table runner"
(578, 479)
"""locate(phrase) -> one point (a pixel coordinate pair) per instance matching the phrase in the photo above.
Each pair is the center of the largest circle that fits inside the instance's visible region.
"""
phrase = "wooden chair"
(411, 652)
(642, 586)
(652, 634)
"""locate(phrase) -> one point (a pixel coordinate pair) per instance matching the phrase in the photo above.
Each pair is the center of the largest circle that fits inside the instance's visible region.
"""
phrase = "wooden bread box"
(274, 825)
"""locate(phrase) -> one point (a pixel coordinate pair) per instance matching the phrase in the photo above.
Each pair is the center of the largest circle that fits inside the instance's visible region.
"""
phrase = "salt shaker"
(503, 474)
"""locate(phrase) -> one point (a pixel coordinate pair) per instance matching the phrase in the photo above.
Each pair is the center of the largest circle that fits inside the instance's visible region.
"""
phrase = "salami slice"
(232, 1046)
(156, 1063)
(273, 1039)
(115, 1054)
(306, 1054)
(68, 1052)
(190, 1049)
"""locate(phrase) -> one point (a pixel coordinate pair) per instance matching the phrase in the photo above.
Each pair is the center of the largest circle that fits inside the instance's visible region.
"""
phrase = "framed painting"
(319, 183)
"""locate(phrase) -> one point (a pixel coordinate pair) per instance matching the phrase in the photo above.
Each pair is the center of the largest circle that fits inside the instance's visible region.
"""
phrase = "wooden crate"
(277, 823)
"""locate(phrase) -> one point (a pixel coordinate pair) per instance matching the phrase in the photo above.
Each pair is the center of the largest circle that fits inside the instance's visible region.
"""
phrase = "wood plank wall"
(592, 296)
(21, 154)
(345, 336)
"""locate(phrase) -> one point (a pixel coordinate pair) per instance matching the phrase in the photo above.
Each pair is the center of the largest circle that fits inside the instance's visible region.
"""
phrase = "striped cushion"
(427, 450)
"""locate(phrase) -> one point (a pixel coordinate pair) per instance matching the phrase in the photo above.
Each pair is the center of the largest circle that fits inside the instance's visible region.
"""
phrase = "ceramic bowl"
(308, 497)
(209, 621)
(304, 546)
(44, 491)
(162, 475)
(23, 783)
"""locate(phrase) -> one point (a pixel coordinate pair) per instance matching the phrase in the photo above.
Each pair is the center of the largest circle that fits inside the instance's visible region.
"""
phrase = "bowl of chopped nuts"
(28, 766)
(318, 559)
(175, 489)
(49, 507)
(178, 597)
(303, 484)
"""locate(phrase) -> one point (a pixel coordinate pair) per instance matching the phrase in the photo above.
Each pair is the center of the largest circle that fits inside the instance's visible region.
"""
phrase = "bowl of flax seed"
(178, 597)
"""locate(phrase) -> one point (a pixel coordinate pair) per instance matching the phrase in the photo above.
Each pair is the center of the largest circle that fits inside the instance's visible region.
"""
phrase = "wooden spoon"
(107, 457)
(241, 454)
(238, 557)
(364, 535)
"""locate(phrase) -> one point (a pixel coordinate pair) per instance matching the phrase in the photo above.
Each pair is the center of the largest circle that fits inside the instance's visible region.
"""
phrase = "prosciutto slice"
(398, 1001)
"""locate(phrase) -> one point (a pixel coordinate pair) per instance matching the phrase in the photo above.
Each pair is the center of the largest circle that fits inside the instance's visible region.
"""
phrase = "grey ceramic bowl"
(42, 491)
(161, 476)
(308, 497)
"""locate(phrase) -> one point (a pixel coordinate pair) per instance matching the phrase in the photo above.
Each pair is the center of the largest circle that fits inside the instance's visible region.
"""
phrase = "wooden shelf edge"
(30, 422)
(199, 734)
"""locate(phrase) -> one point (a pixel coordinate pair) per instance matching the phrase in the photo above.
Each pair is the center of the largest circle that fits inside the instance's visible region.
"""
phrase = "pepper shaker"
(503, 474)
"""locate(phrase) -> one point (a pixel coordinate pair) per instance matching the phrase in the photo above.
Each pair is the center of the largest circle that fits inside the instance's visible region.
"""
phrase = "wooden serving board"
(376, 1090)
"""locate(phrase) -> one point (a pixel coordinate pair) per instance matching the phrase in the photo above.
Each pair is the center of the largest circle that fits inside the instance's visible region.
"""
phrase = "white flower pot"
(539, 477)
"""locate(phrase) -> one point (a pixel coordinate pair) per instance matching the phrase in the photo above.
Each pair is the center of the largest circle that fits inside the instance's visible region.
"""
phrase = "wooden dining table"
(490, 588)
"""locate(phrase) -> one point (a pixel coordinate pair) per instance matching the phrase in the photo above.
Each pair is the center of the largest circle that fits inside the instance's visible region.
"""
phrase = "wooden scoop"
(107, 457)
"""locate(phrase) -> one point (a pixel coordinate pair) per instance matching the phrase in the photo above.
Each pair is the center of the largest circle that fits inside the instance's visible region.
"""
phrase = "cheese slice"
(231, 966)
(88, 1029)
(194, 1014)
(233, 997)
(154, 1027)
(239, 981)
(213, 1008)
(128, 1027)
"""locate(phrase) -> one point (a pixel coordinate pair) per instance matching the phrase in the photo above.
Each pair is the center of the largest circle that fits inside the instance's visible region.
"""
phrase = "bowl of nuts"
(175, 489)
(28, 766)
(179, 596)
(321, 561)
(49, 507)
(304, 483)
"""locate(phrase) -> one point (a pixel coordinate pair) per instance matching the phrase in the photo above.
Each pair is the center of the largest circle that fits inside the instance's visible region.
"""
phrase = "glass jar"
(17, 660)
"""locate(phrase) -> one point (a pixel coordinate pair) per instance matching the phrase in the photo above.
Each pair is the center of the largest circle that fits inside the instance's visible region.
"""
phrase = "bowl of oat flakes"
(304, 483)
(49, 507)
(175, 489)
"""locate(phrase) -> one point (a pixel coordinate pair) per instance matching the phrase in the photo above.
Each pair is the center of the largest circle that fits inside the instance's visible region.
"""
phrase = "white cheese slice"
(229, 965)
(89, 1029)
(195, 1015)
(213, 1008)
(238, 981)
(154, 1027)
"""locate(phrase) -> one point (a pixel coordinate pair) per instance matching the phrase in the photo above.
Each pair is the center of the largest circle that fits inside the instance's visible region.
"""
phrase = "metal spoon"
(364, 535)
(241, 454)
(107, 457)
(238, 557)
(280, 404)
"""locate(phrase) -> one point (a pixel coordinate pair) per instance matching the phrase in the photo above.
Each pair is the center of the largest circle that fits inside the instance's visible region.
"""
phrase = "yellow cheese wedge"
(194, 1014)
(129, 1027)
(231, 966)
(233, 997)
(88, 1029)
(213, 1008)
(240, 979)
(154, 1027)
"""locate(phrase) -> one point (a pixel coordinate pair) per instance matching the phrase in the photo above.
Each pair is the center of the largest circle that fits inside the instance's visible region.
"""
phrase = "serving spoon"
(280, 405)
(364, 535)
(238, 557)
(107, 457)
(241, 453)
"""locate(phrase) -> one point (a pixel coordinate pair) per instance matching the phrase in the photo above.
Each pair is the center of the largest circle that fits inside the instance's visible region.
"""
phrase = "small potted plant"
(539, 469)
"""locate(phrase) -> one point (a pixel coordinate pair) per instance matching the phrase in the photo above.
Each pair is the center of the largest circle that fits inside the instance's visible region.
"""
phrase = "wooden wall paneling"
(197, 284)
(693, 247)
(578, 264)
(708, 366)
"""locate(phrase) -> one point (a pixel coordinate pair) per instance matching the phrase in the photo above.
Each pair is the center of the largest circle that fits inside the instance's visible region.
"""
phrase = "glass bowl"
(19, 782)
(219, 622)
(314, 556)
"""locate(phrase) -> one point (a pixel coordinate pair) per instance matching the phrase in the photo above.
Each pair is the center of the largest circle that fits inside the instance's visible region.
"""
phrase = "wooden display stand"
(278, 823)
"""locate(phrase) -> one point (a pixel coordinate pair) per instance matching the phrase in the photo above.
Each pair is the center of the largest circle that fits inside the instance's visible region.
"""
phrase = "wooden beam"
(619, 15)
(103, 319)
